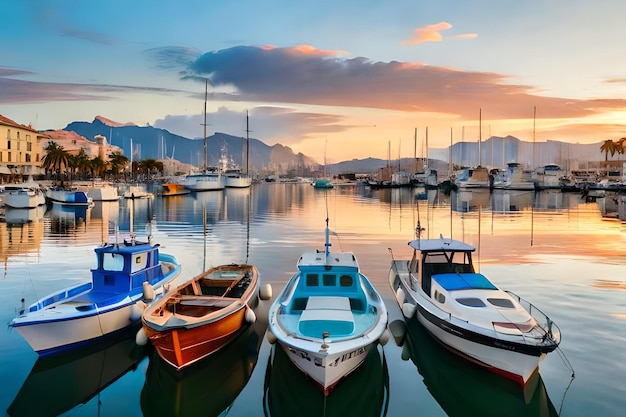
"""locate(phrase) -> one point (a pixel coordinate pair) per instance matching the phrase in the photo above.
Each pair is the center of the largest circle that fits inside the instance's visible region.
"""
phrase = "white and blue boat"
(70, 196)
(467, 313)
(127, 276)
(328, 316)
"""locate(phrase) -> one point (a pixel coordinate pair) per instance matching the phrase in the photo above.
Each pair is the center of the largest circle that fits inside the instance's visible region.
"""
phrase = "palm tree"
(608, 147)
(56, 158)
(118, 162)
(98, 167)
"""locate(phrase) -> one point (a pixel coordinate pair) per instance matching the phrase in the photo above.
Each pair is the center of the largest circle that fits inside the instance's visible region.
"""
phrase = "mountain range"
(154, 143)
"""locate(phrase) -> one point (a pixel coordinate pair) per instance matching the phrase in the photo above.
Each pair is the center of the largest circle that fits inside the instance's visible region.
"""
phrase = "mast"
(480, 129)
(247, 143)
(206, 92)
(415, 151)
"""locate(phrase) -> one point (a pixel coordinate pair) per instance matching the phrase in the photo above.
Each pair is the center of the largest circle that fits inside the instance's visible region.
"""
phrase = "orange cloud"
(431, 33)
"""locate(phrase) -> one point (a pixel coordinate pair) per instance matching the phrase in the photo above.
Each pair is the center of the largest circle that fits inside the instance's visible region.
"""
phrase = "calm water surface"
(564, 255)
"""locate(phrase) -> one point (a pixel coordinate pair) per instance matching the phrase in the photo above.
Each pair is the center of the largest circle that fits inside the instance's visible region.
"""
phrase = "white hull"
(23, 198)
(103, 194)
(328, 368)
(68, 197)
(52, 335)
(238, 181)
(518, 366)
(204, 182)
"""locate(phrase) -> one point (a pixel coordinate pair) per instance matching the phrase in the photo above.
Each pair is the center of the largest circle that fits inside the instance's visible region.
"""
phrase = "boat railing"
(551, 334)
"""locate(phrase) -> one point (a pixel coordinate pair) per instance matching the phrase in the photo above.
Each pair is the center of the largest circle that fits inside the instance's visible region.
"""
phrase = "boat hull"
(23, 198)
(172, 189)
(68, 197)
(327, 369)
(509, 358)
(182, 347)
(204, 182)
(239, 181)
(47, 335)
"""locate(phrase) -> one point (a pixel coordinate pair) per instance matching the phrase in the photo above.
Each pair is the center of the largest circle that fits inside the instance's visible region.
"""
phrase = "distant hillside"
(152, 143)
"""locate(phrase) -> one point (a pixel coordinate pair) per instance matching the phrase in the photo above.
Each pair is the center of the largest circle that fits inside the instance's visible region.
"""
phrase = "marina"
(557, 249)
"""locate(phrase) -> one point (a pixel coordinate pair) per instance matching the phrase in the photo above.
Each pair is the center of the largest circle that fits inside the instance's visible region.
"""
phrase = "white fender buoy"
(265, 292)
(400, 295)
(384, 338)
(250, 316)
(270, 337)
(148, 291)
(408, 310)
(141, 338)
(136, 310)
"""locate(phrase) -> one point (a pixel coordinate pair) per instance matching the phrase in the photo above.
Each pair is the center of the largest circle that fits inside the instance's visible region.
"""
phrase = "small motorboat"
(203, 314)
(468, 313)
(70, 196)
(328, 316)
(173, 188)
(127, 276)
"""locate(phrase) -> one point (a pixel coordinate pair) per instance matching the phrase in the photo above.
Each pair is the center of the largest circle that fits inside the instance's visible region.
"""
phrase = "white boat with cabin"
(328, 317)
(128, 275)
(467, 313)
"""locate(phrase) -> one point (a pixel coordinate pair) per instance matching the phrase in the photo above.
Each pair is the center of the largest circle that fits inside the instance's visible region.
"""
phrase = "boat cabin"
(434, 257)
(124, 268)
(336, 276)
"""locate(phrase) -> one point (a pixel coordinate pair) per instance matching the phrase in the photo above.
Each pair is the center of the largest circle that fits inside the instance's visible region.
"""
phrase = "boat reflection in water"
(20, 216)
(208, 387)
(59, 383)
(288, 392)
(463, 388)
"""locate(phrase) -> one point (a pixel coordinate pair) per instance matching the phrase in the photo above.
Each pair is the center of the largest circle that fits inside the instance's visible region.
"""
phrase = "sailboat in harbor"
(233, 176)
(209, 179)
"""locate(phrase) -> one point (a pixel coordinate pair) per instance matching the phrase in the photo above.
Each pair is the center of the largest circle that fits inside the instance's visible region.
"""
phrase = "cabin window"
(311, 280)
(140, 262)
(328, 280)
(345, 281)
(113, 262)
(471, 302)
(440, 297)
(501, 302)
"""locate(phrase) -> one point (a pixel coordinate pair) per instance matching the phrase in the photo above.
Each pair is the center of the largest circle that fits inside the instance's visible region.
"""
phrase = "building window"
(29, 146)
(8, 156)
(9, 144)
(27, 157)
(18, 135)
(28, 138)
(8, 133)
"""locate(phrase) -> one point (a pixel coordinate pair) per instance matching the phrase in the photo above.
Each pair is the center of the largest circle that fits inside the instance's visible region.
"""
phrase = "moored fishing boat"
(127, 276)
(469, 314)
(202, 315)
(328, 316)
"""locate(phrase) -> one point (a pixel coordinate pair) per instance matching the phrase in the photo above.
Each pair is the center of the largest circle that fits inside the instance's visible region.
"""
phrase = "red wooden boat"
(204, 314)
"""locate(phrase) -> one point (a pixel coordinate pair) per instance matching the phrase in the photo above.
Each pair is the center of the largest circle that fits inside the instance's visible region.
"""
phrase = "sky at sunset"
(356, 77)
